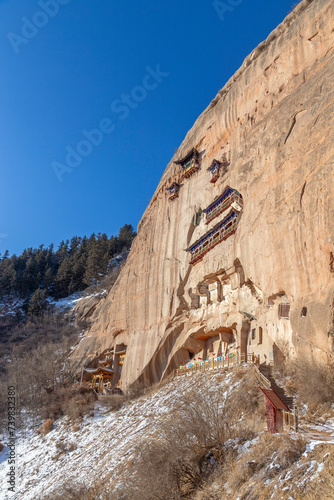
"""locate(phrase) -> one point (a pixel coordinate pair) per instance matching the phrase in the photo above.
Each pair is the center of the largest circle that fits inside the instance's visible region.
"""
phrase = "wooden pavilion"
(173, 191)
(98, 376)
(189, 164)
(216, 168)
(274, 410)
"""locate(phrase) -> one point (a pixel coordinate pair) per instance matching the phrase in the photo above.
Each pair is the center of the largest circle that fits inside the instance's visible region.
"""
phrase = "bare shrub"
(65, 446)
(37, 369)
(116, 400)
(106, 283)
(113, 402)
(46, 427)
(74, 402)
(3, 403)
(78, 406)
(190, 442)
(41, 369)
(289, 450)
(314, 382)
(51, 327)
(268, 457)
(137, 390)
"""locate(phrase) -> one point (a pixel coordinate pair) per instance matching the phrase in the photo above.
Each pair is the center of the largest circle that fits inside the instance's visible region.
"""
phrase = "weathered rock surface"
(274, 122)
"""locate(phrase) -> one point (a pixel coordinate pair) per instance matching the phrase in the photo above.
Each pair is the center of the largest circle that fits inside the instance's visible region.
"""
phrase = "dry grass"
(113, 402)
(323, 485)
(271, 455)
(74, 402)
(72, 491)
(313, 382)
(251, 475)
(324, 489)
(65, 446)
(46, 427)
(211, 446)
(139, 389)
(46, 368)
(191, 441)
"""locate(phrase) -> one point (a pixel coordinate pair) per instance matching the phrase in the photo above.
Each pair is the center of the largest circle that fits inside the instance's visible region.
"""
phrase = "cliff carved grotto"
(235, 251)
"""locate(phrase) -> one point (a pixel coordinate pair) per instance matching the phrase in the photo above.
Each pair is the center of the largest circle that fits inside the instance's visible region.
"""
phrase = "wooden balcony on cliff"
(229, 198)
(189, 164)
(217, 168)
(173, 191)
(219, 233)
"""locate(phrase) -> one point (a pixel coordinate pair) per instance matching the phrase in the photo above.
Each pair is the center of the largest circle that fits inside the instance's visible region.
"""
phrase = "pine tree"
(49, 281)
(38, 303)
(126, 236)
(7, 276)
(97, 260)
(74, 265)
(64, 278)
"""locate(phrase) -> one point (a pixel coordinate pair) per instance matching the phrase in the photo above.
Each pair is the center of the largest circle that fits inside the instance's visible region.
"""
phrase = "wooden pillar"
(295, 411)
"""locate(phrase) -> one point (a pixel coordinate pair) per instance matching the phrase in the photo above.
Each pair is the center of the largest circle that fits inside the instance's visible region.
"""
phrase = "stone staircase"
(266, 371)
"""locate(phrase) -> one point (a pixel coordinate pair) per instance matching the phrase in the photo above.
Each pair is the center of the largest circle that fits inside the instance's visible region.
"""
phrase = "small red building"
(274, 407)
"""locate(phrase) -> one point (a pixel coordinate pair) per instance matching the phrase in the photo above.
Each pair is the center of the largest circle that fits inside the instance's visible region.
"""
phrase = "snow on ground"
(67, 302)
(102, 444)
(10, 307)
(70, 301)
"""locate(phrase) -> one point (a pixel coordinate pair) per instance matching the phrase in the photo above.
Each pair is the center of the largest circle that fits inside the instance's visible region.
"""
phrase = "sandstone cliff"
(273, 122)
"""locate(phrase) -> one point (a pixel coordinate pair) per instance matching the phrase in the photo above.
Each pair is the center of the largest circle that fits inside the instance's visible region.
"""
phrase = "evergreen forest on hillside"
(39, 273)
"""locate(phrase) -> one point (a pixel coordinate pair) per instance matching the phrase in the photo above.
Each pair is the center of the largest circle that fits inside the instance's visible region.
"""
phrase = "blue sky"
(61, 77)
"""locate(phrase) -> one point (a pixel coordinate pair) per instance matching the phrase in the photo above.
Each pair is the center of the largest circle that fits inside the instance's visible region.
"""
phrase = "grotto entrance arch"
(202, 345)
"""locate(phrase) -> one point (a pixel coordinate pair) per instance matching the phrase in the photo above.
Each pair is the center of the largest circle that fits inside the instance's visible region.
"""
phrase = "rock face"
(267, 288)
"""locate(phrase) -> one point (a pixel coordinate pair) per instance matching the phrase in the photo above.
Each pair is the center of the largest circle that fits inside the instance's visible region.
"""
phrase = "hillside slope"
(126, 454)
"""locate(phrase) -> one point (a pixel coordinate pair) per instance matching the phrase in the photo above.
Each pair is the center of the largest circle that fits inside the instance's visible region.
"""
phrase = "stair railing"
(290, 419)
(262, 378)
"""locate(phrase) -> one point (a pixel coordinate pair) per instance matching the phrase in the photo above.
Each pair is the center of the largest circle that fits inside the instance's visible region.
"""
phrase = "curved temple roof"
(214, 165)
(175, 185)
(192, 152)
(100, 369)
